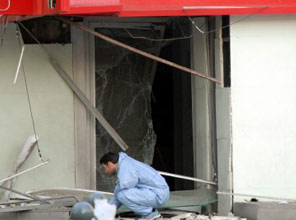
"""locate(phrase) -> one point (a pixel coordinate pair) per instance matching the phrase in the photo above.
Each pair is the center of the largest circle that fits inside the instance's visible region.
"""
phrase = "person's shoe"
(153, 215)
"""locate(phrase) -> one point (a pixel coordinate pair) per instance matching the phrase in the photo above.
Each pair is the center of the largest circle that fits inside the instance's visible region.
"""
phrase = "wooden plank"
(89, 105)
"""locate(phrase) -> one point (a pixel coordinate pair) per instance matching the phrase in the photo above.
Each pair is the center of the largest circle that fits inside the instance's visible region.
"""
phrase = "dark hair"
(109, 157)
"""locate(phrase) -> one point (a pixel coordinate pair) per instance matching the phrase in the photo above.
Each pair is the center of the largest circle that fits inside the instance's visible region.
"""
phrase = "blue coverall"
(139, 187)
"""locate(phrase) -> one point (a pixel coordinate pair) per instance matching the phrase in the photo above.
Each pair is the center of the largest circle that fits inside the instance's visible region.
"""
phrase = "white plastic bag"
(104, 210)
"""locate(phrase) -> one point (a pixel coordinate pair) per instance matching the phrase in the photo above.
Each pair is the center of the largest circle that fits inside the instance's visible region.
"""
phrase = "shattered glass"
(123, 95)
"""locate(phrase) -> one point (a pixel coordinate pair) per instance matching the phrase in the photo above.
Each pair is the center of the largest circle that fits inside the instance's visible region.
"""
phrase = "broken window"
(147, 103)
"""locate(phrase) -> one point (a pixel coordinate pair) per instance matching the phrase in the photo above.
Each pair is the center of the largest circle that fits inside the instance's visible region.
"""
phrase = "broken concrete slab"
(265, 210)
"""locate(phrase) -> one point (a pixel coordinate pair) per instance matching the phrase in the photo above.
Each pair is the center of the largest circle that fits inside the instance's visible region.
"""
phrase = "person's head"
(109, 162)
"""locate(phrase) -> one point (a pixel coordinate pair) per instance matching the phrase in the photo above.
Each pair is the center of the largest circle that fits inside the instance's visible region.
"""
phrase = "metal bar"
(24, 194)
(187, 178)
(21, 42)
(19, 64)
(256, 196)
(145, 54)
(89, 105)
(23, 172)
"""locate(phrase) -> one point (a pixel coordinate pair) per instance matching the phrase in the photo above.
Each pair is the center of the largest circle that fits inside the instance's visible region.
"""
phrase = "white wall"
(263, 76)
(52, 103)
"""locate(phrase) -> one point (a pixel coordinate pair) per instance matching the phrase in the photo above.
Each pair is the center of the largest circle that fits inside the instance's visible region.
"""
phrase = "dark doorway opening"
(147, 103)
(172, 108)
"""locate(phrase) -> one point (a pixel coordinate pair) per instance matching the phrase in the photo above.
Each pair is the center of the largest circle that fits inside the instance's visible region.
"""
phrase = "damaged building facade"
(236, 131)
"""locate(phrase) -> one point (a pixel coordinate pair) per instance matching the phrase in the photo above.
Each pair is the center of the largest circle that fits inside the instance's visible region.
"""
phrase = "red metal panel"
(4, 5)
(61, 6)
(93, 3)
(94, 7)
(15, 7)
(205, 7)
(93, 11)
(152, 8)
(32, 7)
(140, 8)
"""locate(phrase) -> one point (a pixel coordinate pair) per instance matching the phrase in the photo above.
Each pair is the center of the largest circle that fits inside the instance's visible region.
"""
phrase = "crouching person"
(139, 187)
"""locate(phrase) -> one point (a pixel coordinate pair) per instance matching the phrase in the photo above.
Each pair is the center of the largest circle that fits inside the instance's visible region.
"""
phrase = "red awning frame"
(33, 7)
(136, 8)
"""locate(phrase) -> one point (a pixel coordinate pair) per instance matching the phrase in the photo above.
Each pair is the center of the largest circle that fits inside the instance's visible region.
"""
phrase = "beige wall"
(263, 67)
(52, 103)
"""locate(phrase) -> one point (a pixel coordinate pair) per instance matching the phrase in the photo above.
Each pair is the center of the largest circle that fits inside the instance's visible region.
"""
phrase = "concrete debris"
(33, 205)
(23, 155)
(265, 210)
(193, 216)
(201, 217)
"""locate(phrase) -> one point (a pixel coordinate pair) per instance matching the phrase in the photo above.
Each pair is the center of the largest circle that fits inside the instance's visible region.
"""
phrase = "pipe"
(19, 65)
(187, 178)
(23, 172)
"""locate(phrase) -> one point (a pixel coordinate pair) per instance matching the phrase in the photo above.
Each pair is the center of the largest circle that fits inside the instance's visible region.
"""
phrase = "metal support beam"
(223, 128)
(89, 105)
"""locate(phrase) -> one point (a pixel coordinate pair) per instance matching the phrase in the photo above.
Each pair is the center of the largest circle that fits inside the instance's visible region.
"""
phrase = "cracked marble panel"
(123, 92)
